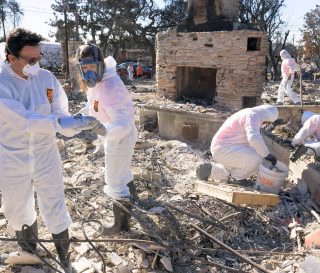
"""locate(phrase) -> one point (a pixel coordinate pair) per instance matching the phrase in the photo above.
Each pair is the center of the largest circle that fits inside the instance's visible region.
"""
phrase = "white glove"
(296, 142)
(99, 129)
(78, 122)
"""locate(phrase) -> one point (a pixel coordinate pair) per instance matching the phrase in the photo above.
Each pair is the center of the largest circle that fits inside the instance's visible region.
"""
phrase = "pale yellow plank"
(237, 195)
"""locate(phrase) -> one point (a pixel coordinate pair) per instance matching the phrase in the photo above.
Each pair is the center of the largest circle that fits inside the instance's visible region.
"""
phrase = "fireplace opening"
(196, 84)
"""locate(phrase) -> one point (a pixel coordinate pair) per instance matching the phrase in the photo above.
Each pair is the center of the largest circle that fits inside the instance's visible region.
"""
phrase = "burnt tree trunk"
(2, 21)
(274, 62)
(283, 45)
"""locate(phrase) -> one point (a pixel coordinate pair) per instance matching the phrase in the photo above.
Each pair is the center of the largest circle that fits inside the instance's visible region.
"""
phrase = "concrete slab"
(312, 177)
(201, 127)
(184, 125)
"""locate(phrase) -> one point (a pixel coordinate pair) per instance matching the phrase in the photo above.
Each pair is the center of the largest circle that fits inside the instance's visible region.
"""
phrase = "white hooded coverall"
(29, 157)
(111, 103)
(288, 68)
(311, 127)
(238, 147)
(130, 72)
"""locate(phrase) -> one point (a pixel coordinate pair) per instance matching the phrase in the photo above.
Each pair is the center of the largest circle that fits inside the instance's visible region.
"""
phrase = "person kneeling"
(238, 147)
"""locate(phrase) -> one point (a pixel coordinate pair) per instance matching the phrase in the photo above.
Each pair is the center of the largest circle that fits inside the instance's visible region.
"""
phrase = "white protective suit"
(238, 147)
(29, 157)
(311, 127)
(130, 72)
(111, 103)
(288, 68)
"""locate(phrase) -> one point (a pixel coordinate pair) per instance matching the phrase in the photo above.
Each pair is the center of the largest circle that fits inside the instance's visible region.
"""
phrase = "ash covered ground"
(168, 206)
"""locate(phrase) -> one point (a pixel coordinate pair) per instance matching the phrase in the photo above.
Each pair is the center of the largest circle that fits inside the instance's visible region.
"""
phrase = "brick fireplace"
(212, 58)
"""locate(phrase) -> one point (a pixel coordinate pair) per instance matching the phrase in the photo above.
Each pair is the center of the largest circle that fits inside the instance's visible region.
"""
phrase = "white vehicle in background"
(51, 58)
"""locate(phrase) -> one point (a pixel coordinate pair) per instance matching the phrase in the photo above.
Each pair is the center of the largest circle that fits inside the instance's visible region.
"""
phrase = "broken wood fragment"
(138, 173)
(154, 261)
(23, 257)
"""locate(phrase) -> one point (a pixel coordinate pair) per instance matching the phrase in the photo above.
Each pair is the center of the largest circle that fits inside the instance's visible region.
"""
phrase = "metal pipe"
(75, 240)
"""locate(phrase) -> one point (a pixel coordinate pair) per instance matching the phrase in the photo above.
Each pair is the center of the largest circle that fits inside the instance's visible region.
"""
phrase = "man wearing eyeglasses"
(33, 108)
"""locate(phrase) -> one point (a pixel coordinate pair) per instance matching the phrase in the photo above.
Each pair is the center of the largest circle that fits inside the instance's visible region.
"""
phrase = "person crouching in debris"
(111, 103)
(310, 127)
(33, 108)
(288, 68)
(238, 147)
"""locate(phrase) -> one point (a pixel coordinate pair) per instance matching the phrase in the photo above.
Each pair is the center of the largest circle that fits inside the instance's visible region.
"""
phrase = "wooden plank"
(237, 195)
(218, 192)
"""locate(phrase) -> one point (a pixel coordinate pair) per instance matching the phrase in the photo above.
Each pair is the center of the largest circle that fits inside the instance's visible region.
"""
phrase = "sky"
(38, 12)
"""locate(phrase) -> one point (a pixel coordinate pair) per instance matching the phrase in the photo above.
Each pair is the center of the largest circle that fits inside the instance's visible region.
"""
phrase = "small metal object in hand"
(301, 150)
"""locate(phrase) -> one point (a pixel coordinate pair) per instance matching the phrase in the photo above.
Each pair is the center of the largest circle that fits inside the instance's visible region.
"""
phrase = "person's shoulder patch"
(50, 94)
(96, 106)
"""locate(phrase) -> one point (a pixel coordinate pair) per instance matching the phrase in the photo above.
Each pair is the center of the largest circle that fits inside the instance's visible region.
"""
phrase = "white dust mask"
(31, 70)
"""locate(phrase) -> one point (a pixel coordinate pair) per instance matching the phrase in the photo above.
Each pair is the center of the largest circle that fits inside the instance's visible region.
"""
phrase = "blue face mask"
(91, 78)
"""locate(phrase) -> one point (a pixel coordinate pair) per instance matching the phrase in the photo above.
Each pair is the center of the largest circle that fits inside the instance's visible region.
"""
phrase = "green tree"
(58, 22)
(114, 24)
(9, 9)
(311, 34)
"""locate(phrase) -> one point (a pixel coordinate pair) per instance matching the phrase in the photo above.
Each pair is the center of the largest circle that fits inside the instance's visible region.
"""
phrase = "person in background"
(139, 70)
(130, 71)
(288, 68)
(33, 108)
(238, 147)
(310, 128)
(111, 103)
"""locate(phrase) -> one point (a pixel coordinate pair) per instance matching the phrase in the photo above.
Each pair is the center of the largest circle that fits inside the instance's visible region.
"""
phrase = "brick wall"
(240, 73)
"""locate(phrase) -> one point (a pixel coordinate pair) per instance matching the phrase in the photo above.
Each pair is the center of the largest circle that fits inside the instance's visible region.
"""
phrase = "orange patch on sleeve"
(50, 94)
(96, 106)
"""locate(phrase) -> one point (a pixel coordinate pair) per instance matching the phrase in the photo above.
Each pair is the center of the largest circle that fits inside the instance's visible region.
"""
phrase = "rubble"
(283, 131)
(311, 92)
(166, 212)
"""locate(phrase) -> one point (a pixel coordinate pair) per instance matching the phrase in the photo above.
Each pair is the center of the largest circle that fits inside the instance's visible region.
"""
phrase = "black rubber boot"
(26, 238)
(203, 171)
(121, 218)
(62, 243)
(133, 190)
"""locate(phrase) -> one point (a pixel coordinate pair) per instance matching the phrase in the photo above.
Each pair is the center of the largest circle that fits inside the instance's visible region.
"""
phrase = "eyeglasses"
(31, 61)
